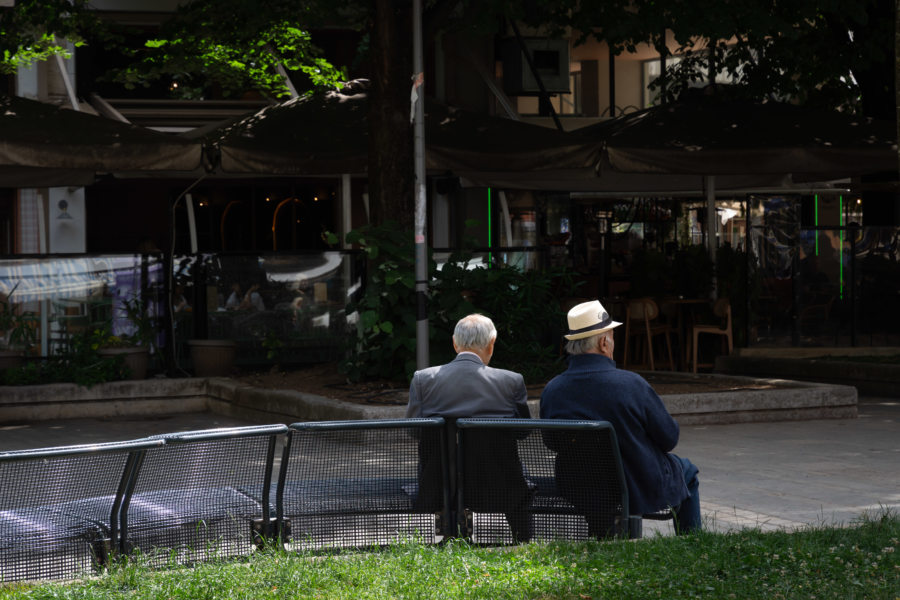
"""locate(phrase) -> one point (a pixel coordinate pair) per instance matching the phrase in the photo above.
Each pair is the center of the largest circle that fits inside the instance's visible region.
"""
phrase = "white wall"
(66, 235)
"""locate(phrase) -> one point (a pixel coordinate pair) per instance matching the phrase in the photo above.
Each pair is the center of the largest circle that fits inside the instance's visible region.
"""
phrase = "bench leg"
(635, 527)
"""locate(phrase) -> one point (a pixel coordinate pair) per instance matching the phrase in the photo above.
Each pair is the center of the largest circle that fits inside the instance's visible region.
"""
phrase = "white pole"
(192, 223)
(709, 182)
(420, 216)
(346, 210)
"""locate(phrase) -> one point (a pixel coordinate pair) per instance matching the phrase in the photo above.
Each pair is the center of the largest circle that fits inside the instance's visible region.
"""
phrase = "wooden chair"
(642, 322)
(813, 318)
(722, 310)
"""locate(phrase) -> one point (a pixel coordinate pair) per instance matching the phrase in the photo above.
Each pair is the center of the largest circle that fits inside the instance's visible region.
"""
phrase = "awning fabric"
(27, 280)
(713, 136)
(327, 134)
(69, 147)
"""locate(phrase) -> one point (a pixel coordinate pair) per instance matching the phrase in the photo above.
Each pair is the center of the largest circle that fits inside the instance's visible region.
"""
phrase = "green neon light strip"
(841, 249)
(816, 217)
(490, 261)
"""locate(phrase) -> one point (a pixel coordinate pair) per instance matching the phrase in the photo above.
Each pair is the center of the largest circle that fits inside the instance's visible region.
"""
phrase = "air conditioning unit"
(550, 58)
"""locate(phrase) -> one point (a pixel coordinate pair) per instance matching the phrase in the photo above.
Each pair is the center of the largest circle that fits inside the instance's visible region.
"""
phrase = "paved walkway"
(791, 474)
(767, 475)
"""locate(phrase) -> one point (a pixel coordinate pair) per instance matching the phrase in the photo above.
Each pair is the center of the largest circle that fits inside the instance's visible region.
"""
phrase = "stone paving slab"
(793, 474)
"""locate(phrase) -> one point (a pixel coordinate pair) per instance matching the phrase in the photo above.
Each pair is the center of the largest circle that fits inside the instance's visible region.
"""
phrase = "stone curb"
(869, 379)
(791, 400)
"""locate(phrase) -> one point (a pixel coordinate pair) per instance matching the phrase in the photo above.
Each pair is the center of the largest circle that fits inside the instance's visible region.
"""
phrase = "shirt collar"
(469, 355)
(591, 362)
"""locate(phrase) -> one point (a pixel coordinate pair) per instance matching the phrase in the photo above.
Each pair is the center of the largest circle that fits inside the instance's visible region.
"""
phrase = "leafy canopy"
(827, 53)
(235, 46)
(819, 52)
(35, 30)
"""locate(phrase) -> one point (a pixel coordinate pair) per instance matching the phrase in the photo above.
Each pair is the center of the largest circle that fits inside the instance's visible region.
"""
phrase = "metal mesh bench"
(203, 494)
(357, 483)
(59, 507)
(522, 479)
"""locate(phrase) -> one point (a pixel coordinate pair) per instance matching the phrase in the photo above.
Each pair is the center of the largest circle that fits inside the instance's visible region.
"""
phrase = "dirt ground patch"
(326, 380)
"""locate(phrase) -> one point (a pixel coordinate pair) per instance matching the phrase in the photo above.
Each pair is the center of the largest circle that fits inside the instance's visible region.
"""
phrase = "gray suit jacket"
(466, 387)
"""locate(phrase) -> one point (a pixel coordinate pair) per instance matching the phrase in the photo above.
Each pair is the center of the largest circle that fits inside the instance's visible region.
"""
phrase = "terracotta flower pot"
(212, 358)
(11, 359)
(136, 359)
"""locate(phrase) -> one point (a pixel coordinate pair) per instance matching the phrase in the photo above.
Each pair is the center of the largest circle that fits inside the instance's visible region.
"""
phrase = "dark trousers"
(687, 514)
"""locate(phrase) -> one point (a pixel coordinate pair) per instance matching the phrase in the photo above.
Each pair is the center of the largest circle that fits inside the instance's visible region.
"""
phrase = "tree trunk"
(391, 177)
(876, 76)
(897, 70)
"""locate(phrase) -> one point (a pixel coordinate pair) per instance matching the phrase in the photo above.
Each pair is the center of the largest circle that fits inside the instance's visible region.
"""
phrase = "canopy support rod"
(105, 108)
(64, 73)
(537, 77)
(502, 98)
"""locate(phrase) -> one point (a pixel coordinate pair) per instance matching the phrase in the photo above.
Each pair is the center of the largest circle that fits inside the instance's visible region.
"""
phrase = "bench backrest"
(362, 483)
(197, 495)
(521, 479)
(202, 494)
(59, 507)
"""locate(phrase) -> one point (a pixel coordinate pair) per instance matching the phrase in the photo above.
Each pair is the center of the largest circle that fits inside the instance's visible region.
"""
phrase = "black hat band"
(605, 322)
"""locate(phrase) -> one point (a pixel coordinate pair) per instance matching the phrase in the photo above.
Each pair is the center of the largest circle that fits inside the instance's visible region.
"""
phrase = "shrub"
(525, 308)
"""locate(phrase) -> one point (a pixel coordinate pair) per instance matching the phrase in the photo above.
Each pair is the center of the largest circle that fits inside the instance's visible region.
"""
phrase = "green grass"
(861, 561)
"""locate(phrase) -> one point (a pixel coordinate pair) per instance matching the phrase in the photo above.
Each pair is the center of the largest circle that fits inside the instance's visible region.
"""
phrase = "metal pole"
(612, 82)
(709, 184)
(420, 214)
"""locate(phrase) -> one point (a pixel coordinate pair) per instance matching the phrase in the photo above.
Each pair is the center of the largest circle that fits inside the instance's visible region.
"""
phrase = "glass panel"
(287, 308)
(70, 296)
(877, 260)
(279, 308)
(523, 258)
(774, 230)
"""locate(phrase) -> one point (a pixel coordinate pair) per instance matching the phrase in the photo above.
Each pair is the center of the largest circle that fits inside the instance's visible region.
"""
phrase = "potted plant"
(18, 334)
(212, 358)
(134, 347)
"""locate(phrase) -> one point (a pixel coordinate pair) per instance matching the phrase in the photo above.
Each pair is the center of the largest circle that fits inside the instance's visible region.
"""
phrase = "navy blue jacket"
(593, 388)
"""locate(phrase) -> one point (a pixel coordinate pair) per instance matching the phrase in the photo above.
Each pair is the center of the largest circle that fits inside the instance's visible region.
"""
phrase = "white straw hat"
(587, 319)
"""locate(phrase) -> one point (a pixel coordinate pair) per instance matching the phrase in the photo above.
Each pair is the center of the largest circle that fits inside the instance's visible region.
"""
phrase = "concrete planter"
(870, 379)
(136, 359)
(212, 358)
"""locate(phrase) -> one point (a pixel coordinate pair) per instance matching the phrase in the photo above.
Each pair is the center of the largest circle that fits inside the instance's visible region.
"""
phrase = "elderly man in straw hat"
(468, 387)
(593, 388)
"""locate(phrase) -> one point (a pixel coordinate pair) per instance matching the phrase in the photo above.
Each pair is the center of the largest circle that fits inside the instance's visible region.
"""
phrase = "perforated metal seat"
(203, 494)
(363, 483)
(59, 507)
(572, 482)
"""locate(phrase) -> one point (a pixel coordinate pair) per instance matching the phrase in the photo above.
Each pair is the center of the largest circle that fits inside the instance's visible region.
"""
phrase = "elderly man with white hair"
(593, 388)
(468, 387)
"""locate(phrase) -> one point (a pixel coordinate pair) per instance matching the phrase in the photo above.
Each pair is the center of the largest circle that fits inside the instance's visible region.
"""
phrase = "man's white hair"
(586, 345)
(474, 332)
